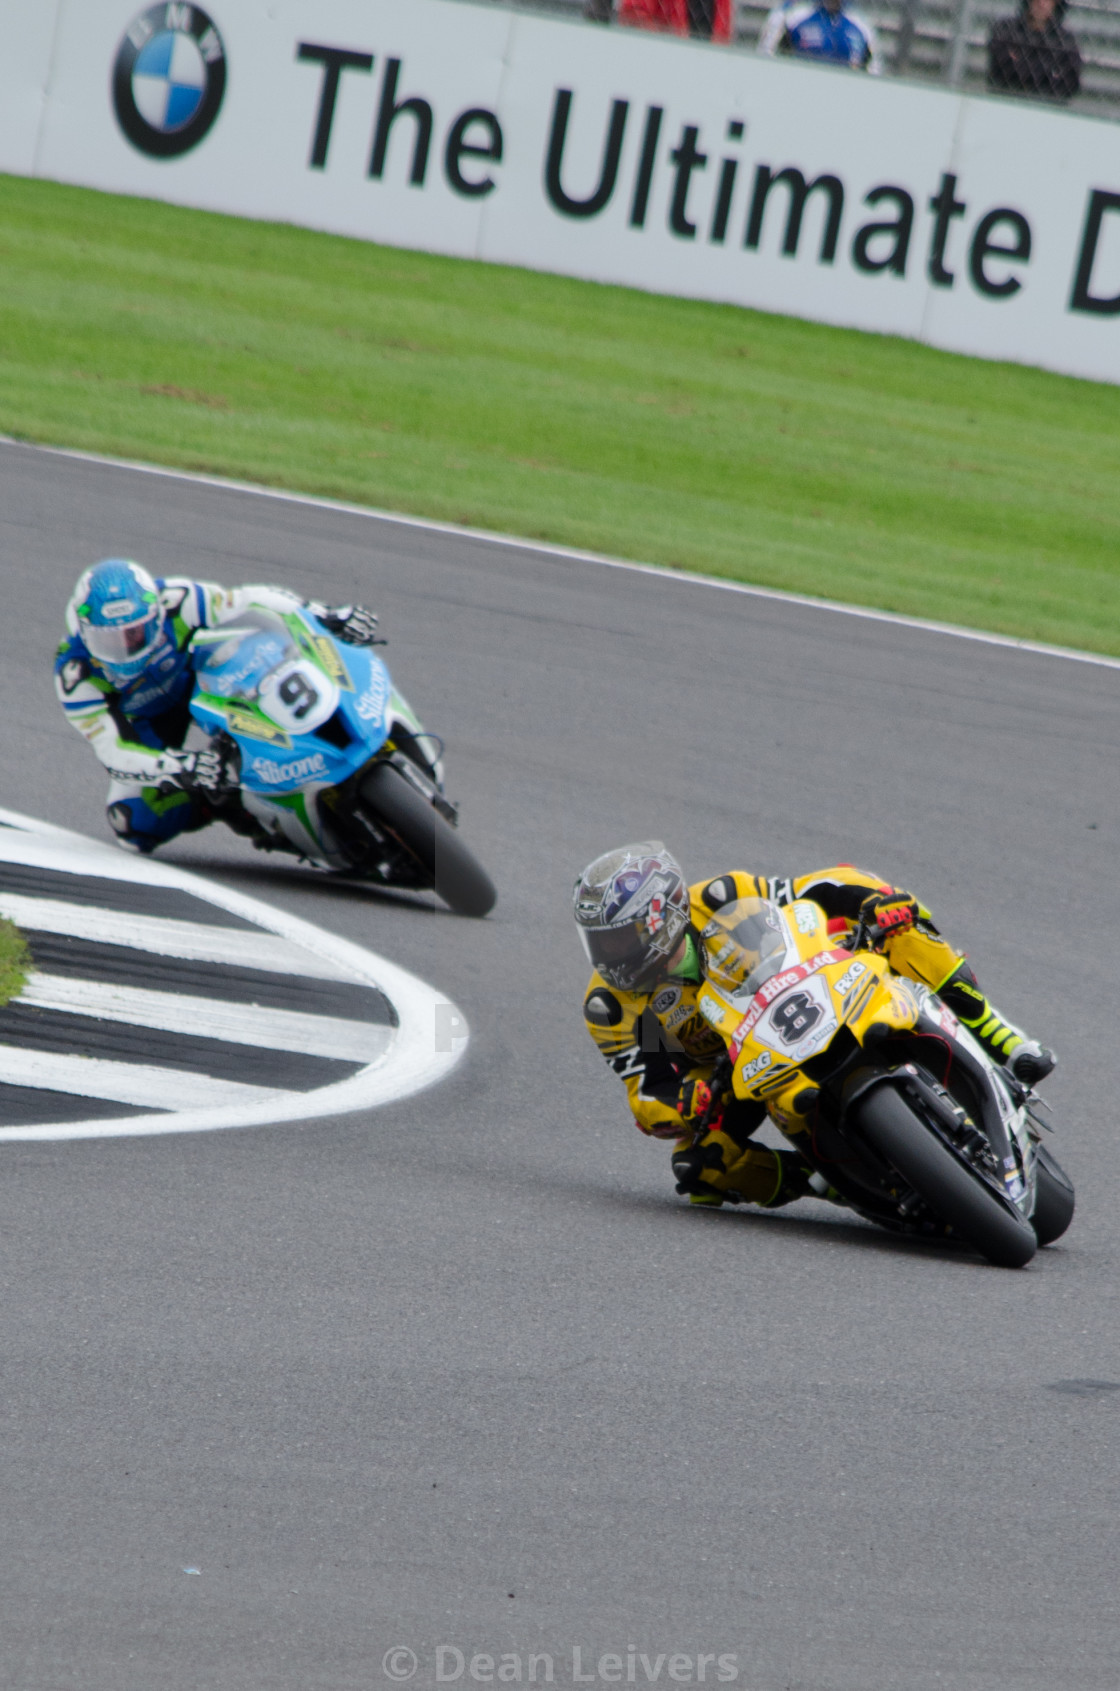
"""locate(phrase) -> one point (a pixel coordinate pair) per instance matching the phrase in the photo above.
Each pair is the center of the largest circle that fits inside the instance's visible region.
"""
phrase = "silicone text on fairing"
(299, 769)
(371, 704)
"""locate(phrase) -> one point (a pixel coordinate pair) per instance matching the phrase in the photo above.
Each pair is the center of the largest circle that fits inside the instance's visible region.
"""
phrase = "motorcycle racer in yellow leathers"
(640, 924)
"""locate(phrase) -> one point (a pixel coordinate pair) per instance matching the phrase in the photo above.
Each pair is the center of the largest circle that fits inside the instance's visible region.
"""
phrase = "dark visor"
(619, 954)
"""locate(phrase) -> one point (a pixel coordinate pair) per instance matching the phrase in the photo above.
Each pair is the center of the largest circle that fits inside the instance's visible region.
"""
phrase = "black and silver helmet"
(632, 911)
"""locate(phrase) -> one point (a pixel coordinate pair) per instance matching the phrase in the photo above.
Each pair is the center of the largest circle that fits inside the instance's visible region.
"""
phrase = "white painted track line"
(543, 547)
(209, 1018)
(127, 1083)
(192, 942)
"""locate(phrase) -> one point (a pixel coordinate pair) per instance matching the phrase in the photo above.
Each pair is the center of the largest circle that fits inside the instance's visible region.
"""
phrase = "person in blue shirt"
(824, 31)
(124, 674)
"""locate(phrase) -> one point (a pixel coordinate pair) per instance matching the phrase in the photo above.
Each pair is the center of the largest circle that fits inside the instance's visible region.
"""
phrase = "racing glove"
(210, 772)
(694, 1099)
(350, 623)
(689, 1164)
(886, 914)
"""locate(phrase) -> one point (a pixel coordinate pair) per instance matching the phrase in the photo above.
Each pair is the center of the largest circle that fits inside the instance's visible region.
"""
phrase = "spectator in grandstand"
(1034, 53)
(710, 20)
(824, 30)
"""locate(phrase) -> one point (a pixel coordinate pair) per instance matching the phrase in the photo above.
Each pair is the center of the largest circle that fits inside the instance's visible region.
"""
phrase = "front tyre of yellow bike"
(952, 1190)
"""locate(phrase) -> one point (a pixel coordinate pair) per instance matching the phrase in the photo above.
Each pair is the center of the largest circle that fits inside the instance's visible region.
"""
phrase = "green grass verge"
(15, 960)
(853, 466)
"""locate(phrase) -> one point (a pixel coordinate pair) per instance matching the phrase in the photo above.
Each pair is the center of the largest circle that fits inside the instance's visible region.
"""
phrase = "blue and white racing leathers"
(136, 724)
(815, 32)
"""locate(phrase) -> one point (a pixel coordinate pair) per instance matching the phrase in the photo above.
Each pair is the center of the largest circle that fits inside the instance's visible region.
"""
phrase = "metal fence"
(946, 41)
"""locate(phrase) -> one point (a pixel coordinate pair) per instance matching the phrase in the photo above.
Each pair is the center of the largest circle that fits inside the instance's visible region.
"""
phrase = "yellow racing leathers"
(664, 1051)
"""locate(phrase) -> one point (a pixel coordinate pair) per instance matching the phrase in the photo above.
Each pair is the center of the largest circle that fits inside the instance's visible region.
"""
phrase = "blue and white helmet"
(117, 611)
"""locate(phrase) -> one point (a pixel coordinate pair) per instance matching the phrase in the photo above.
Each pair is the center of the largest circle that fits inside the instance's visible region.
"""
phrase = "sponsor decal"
(299, 769)
(119, 608)
(755, 1066)
(169, 79)
(849, 978)
(711, 1010)
(665, 1000)
(805, 916)
(143, 696)
(370, 706)
(777, 984)
(331, 662)
(255, 727)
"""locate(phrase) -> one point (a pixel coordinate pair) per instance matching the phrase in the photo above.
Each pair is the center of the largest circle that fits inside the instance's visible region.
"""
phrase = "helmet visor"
(623, 956)
(123, 642)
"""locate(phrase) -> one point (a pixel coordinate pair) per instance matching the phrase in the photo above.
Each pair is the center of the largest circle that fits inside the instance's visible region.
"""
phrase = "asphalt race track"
(463, 1371)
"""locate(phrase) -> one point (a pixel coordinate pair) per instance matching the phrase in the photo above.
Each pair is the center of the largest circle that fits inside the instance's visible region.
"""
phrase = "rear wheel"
(1054, 1199)
(957, 1195)
(450, 868)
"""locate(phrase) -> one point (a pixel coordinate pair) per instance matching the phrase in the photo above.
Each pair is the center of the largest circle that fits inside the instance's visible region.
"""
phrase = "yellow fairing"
(793, 998)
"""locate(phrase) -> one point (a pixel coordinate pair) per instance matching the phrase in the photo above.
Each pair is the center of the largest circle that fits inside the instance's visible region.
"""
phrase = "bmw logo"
(169, 78)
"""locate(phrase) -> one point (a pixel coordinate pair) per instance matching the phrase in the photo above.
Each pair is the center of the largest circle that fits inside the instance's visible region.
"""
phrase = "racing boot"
(1024, 1058)
(797, 1180)
(1031, 1062)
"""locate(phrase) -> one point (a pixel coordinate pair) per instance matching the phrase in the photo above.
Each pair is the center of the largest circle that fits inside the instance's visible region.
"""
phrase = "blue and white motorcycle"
(332, 762)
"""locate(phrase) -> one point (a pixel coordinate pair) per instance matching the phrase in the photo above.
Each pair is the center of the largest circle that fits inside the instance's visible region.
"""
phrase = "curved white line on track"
(413, 1060)
(661, 571)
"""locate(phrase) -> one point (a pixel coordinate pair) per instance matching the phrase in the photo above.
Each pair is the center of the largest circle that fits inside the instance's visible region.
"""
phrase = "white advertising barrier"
(979, 225)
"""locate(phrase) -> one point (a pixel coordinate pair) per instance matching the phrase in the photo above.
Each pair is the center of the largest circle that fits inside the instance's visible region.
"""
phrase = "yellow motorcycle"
(892, 1102)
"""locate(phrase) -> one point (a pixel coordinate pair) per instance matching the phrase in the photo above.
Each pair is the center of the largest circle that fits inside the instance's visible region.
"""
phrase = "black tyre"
(1054, 1199)
(458, 879)
(961, 1198)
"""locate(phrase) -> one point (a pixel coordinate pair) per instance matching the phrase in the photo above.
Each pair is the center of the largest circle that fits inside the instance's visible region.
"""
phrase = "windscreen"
(233, 660)
(743, 946)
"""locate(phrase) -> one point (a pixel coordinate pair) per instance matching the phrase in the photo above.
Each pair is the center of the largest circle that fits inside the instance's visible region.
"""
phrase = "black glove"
(210, 772)
(352, 624)
(689, 1164)
(886, 914)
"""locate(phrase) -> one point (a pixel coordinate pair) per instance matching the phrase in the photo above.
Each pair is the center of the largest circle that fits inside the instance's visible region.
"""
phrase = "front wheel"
(1054, 1200)
(459, 880)
(957, 1195)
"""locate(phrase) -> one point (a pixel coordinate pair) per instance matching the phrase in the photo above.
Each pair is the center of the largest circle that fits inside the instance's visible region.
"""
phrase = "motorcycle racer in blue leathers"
(124, 674)
(822, 30)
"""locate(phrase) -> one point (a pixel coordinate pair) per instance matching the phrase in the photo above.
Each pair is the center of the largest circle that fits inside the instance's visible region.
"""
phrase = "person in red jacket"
(708, 20)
